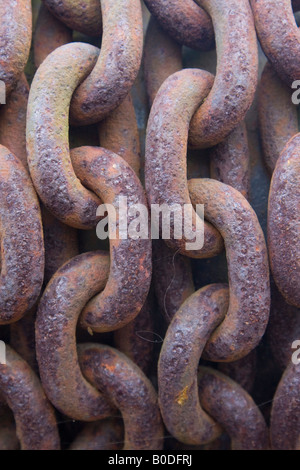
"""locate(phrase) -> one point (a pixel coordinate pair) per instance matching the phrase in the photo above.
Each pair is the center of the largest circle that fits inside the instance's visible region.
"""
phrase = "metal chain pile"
(141, 344)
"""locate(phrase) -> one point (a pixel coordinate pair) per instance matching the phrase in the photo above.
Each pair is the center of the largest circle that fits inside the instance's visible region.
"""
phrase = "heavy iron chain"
(126, 341)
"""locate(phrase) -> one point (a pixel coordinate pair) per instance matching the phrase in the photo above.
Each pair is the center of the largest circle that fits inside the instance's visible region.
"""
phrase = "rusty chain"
(114, 341)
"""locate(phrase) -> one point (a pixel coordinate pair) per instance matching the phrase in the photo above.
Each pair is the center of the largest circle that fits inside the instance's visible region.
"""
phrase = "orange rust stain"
(183, 396)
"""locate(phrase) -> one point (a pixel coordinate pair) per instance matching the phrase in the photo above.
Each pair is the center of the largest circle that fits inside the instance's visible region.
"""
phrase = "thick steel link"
(22, 248)
(129, 390)
(34, 416)
(116, 69)
(283, 222)
(185, 22)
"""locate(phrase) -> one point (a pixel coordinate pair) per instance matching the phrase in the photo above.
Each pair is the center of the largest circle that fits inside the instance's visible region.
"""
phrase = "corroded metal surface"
(100, 435)
(34, 416)
(22, 248)
(130, 391)
(283, 222)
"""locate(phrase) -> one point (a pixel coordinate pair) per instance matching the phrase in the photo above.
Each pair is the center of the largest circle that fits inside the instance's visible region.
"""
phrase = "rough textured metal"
(119, 133)
(285, 416)
(166, 145)
(278, 118)
(248, 269)
(279, 36)
(15, 40)
(182, 348)
(162, 58)
(230, 161)
(50, 33)
(64, 298)
(237, 68)
(130, 391)
(283, 222)
(100, 435)
(184, 21)
(47, 135)
(232, 407)
(130, 260)
(118, 64)
(22, 249)
(136, 339)
(13, 120)
(172, 279)
(81, 15)
(34, 416)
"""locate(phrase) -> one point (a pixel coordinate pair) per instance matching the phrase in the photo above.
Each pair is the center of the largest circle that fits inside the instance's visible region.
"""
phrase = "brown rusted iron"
(242, 371)
(47, 135)
(15, 40)
(13, 120)
(248, 269)
(182, 348)
(230, 161)
(172, 278)
(50, 33)
(22, 249)
(64, 298)
(166, 143)
(236, 79)
(279, 36)
(111, 178)
(285, 416)
(162, 58)
(61, 243)
(185, 22)
(130, 391)
(34, 416)
(136, 339)
(283, 222)
(231, 406)
(8, 436)
(81, 15)
(119, 133)
(278, 119)
(116, 69)
(100, 435)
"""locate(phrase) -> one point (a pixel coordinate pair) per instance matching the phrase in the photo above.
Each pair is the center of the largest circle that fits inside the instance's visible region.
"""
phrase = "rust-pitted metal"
(100, 435)
(136, 339)
(64, 298)
(166, 147)
(34, 416)
(283, 329)
(116, 69)
(21, 239)
(283, 222)
(172, 279)
(13, 120)
(230, 161)
(111, 178)
(242, 371)
(8, 436)
(278, 119)
(237, 69)
(47, 135)
(82, 15)
(162, 58)
(61, 243)
(181, 351)
(285, 415)
(248, 269)
(279, 36)
(15, 40)
(119, 133)
(50, 33)
(184, 21)
(234, 409)
(131, 392)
